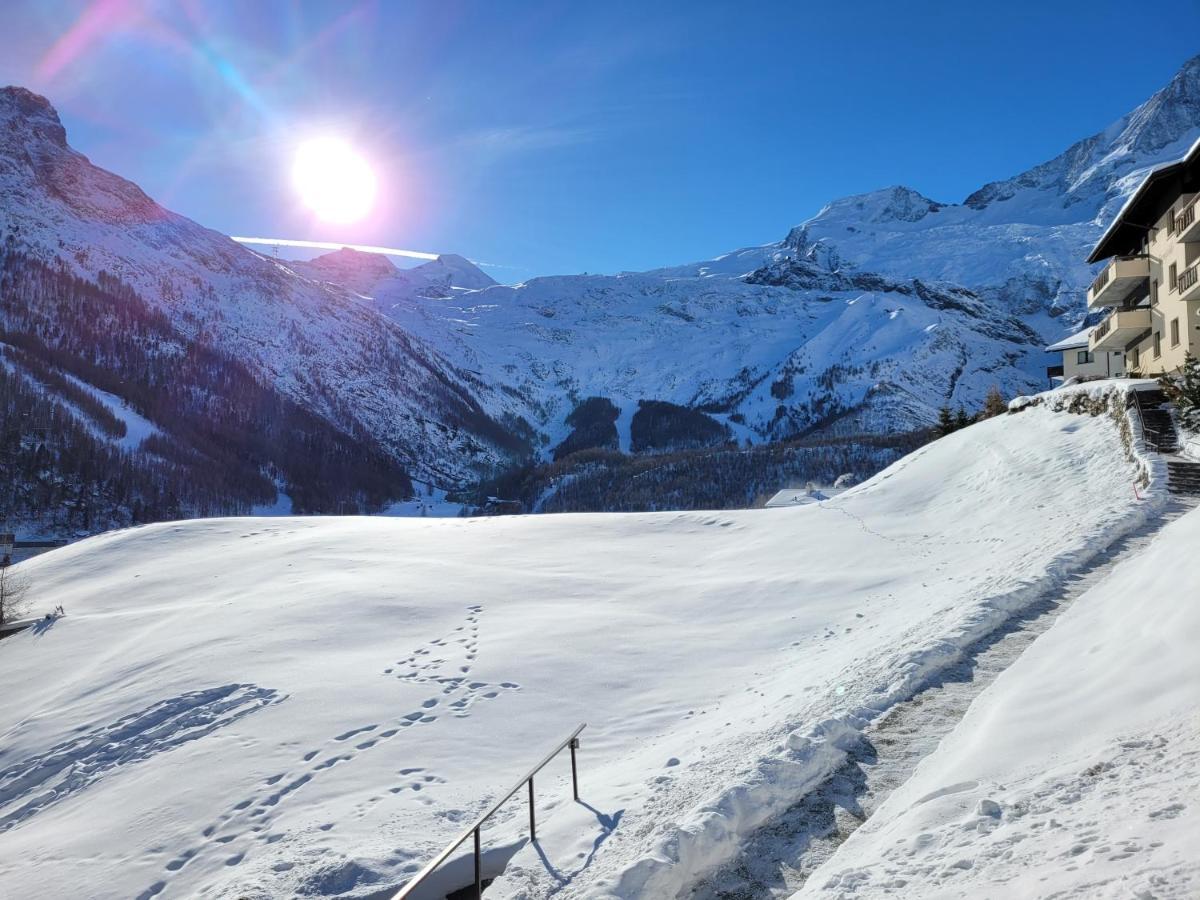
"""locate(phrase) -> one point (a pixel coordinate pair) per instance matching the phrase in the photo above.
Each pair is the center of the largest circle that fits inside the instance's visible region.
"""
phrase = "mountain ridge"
(863, 319)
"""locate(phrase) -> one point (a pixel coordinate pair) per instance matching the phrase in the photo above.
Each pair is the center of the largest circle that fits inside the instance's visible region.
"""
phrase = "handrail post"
(574, 771)
(532, 820)
(478, 869)
(475, 828)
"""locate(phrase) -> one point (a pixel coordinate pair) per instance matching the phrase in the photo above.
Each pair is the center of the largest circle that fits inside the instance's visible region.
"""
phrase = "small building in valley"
(1080, 361)
(1150, 285)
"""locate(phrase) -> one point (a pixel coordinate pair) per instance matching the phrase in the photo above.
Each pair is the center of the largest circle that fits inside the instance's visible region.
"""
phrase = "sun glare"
(333, 180)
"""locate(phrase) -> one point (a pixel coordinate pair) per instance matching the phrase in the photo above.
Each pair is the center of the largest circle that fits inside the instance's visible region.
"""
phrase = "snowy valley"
(277, 658)
(311, 707)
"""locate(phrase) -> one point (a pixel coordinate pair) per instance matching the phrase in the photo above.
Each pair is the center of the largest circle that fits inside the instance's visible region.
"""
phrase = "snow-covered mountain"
(864, 319)
(867, 317)
(312, 341)
(1020, 242)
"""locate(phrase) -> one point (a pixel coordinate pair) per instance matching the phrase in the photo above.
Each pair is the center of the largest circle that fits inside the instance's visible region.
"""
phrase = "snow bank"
(1111, 397)
(312, 707)
(1075, 774)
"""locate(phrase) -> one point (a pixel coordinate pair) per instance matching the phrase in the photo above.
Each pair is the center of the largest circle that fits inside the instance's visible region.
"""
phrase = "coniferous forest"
(74, 354)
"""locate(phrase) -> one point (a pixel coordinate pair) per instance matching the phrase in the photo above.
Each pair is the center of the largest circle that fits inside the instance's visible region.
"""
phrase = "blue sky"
(569, 137)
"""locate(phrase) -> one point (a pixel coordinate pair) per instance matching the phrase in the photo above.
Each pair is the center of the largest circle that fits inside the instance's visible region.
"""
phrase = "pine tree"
(994, 404)
(945, 422)
(962, 419)
(1184, 391)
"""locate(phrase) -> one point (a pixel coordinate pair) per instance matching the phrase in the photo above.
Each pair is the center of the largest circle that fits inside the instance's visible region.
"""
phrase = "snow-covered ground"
(288, 706)
(1076, 774)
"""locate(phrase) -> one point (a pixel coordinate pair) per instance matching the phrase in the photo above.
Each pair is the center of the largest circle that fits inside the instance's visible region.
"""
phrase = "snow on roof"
(1079, 339)
(1151, 176)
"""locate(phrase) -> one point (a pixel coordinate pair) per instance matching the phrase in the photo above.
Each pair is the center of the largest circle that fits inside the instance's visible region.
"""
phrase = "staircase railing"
(1154, 436)
(472, 830)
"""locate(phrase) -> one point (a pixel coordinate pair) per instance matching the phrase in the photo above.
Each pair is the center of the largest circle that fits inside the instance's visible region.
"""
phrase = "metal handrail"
(1136, 402)
(572, 741)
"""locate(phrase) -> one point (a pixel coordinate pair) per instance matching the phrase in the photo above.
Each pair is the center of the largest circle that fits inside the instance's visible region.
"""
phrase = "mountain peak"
(456, 271)
(359, 260)
(891, 204)
(24, 112)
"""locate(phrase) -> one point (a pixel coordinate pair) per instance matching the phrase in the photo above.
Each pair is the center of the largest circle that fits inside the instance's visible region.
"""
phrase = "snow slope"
(1076, 774)
(310, 707)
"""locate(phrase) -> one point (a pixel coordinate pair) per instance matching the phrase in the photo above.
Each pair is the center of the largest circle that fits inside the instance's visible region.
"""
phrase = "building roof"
(1130, 222)
(1074, 342)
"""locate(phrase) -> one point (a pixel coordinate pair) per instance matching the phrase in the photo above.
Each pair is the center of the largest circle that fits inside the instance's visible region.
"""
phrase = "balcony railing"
(1185, 219)
(1119, 327)
(1101, 279)
(1187, 278)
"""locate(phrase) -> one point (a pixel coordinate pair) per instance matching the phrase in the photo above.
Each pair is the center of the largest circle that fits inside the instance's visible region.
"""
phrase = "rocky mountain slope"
(863, 320)
(305, 342)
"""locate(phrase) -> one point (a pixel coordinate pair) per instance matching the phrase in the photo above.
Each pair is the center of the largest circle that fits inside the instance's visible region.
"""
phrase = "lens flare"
(333, 180)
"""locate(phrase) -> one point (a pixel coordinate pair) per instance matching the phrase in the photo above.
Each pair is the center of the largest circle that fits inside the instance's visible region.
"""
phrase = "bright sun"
(334, 181)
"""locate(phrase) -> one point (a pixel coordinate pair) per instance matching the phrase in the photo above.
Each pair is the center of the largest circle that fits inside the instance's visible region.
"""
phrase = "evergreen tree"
(962, 419)
(1184, 391)
(945, 423)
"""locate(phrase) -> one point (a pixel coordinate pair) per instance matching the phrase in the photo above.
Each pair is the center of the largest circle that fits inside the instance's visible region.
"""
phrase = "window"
(1157, 345)
(1173, 276)
(1083, 357)
(1171, 221)
(1154, 292)
(1175, 332)
(1137, 358)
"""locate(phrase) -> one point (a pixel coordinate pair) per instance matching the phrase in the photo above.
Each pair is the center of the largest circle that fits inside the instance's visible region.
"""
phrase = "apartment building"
(1151, 282)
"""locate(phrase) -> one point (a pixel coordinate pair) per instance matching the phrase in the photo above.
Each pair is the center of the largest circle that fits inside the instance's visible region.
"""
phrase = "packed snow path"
(1074, 775)
(778, 859)
(395, 673)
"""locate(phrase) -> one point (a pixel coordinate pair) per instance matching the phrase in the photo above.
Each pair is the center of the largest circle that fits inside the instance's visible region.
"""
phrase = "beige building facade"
(1150, 283)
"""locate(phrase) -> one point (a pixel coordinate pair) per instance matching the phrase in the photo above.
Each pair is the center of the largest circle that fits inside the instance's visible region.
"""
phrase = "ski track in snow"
(779, 858)
(39, 782)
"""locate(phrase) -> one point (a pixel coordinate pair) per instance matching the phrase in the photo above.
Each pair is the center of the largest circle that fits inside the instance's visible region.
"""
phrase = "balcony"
(1187, 224)
(1118, 280)
(1121, 327)
(1188, 283)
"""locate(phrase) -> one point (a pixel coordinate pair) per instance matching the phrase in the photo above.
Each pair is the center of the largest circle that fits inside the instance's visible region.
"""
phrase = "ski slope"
(312, 707)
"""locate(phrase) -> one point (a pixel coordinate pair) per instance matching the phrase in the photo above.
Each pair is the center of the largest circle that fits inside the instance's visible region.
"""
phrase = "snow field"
(312, 707)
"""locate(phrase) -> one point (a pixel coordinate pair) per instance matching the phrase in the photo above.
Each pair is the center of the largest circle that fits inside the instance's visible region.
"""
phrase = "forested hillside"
(78, 355)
